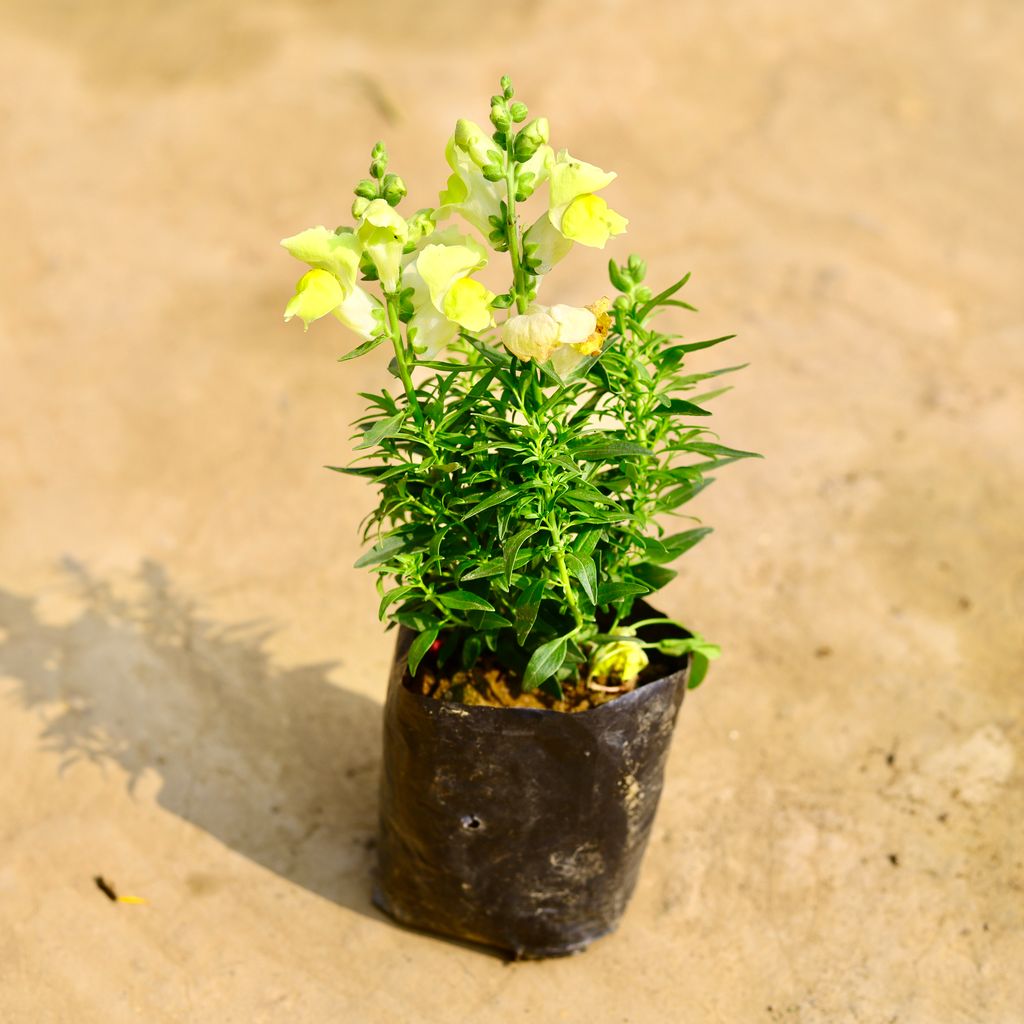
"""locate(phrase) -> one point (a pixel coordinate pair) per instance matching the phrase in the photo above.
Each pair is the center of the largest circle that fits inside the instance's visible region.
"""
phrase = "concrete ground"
(190, 669)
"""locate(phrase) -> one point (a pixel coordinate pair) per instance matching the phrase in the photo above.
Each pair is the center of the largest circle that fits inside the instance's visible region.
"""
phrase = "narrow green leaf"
(419, 648)
(678, 543)
(463, 600)
(381, 430)
(662, 296)
(656, 576)
(512, 546)
(490, 502)
(492, 567)
(526, 608)
(544, 663)
(586, 572)
(390, 597)
(585, 542)
(680, 495)
(680, 407)
(602, 451)
(608, 593)
(380, 552)
(708, 448)
(361, 350)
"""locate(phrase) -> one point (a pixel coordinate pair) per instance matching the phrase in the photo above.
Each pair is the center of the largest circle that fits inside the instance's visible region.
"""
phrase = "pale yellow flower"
(575, 212)
(622, 660)
(330, 287)
(539, 332)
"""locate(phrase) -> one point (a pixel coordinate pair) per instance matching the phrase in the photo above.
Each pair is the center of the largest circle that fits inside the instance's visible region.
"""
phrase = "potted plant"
(527, 464)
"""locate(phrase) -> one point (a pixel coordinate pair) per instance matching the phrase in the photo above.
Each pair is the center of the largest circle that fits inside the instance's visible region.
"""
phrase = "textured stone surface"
(190, 671)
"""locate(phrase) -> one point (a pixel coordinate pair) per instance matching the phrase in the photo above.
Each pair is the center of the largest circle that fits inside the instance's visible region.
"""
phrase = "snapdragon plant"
(532, 456)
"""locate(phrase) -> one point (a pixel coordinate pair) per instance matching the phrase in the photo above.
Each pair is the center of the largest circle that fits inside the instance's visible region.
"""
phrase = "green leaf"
(381, 551)
(585, 542)
(390, 597)
(492, 567)
(463, 600)
(662, 296)
(381, 430)
(419, 648)
(586, 572)
(678, 543)
(680, 407)
(655, 576)
(486, 621)
(526, 607)
(696, 346)
(698, 670)
(680, 495)
(544, 663)
(608, 593)
(710, 449)
(603, 451)
(361, 350)
(512, 546)
(490, 502)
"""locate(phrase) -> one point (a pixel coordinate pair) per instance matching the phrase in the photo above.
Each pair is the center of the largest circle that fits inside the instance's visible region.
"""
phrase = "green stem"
(563, 572)
(512, 233)
(395, 333)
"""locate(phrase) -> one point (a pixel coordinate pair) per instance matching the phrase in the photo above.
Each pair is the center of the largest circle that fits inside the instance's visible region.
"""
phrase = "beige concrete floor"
(191, 672)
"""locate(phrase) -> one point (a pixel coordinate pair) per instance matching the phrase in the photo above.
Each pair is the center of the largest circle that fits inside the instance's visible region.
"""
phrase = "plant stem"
(563, 572)
(395, 333)
(512, 234)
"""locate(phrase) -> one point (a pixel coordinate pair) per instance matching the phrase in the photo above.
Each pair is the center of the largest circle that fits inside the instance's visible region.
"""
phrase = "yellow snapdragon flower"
(330, 286)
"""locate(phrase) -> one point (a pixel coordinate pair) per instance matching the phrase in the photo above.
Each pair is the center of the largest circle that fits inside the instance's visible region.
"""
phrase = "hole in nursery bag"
(470, 822)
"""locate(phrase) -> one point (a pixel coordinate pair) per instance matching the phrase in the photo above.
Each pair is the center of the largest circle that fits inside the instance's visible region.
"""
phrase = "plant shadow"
(280, 764)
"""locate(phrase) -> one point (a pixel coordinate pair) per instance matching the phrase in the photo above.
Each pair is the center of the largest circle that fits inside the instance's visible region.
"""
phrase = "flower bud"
(530, 138)
(393, 189)
(367, 188)
(506, 87)
(470, 138)
(637, 268)
(421, 224)
(519, 111)
(493, 172)
(500, 116)
(525, 185)
(359, 206)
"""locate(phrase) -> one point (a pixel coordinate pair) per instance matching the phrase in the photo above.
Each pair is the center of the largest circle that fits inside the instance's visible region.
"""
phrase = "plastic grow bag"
(518, 828)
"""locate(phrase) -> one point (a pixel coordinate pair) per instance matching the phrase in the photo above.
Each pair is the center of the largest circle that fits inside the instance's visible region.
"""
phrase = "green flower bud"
(359, 206)
(519, 111)
(393, 189)
(470, 138)
(637, 268)
(493, 172)
(506, 87)
(525, 186)
(530, 138)
(367, 267)
(379, 152)
(421, 224)
(500, 116)
(619, 276)
(367, 188)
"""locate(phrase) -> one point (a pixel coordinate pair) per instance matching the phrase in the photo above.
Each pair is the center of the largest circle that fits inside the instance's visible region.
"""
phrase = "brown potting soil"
(490, 684)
